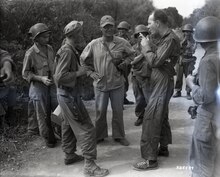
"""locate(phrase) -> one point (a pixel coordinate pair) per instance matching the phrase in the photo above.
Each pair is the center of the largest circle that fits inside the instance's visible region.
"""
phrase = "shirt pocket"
(42, 68)
(203, 130)
(116, 54)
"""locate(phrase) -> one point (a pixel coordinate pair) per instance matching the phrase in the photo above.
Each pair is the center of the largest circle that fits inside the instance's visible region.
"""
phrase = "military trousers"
(7, 103)
(141, 91)
(116, 97)
(186, 68)
(76, 126)
(40, 108)
(154, 116)
(204, 150)
(166, 134)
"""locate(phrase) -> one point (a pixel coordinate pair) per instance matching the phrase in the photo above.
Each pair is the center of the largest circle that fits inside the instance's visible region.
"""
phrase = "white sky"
(184, 7)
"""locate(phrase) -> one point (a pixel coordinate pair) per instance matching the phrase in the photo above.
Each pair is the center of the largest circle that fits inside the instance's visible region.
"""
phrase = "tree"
(211, 8)
(175, 19)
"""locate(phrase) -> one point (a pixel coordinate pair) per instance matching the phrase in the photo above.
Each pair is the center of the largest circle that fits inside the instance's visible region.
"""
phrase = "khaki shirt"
(36, 63)
(95, 57)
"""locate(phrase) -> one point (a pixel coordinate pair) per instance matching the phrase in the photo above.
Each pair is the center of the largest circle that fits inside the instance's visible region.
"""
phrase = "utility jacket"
(96, 58)
(67, 64)
(166, 55)
(205, 94)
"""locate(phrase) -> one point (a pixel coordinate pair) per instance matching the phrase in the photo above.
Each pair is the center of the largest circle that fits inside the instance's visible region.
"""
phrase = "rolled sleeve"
(27, 73)
(86, 59)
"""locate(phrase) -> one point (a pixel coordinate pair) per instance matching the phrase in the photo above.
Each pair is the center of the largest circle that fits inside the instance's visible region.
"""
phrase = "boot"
(177, 94)
(74, 159)
(139, 121)
(163, 151)
(188, 96)
(122, 141)
(92, 169)
(126, 101)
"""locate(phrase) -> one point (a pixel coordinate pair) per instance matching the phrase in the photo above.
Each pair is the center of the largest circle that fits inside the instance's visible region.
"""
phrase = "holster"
(79, 111)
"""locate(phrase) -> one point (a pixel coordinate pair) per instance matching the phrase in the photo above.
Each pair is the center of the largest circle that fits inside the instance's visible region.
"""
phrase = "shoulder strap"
(106, 46)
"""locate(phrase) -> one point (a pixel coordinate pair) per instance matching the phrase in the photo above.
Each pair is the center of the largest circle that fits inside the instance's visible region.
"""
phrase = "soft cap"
(107, 19)
(72, 27)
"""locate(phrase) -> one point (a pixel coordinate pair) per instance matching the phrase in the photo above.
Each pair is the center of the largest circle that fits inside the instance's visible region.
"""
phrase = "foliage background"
(211, 8)
(17, 16)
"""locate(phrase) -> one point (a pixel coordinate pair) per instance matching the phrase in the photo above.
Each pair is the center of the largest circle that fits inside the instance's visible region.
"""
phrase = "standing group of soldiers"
(108, 60)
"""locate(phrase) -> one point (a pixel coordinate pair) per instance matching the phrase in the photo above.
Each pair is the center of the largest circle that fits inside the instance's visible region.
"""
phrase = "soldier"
(105, 59)
(140, 75)
(37, 69)
(155, 127)
(123, 31)
(186, 61)
(76, 121)
(7, 94)
(204, 151)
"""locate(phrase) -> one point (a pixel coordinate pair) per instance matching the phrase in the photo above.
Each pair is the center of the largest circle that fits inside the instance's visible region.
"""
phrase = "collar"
(36, 49)
(166, 33)
(72, 47)
(212, 48)
(114, 40)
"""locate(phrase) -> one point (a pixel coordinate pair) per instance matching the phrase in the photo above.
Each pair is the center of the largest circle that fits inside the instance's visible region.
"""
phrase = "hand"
(95, 76)
(7, 71)
(137, 59)
(189, 81)
(122, 67)
(46, 81)
(144, 41)
(81, 71)
(116, 61)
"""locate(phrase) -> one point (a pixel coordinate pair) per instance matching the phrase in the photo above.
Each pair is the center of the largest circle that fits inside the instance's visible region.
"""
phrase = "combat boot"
(127, 102)
(163, 151)
(188, 96)
(92, 169)
(74, 158)
(177, 94)
(139, 121)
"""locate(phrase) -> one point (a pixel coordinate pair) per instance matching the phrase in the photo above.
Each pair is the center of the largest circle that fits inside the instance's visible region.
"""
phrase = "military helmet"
(207, 30)
(37, 29)
(124, 25)
(187, 27)
(140, 29)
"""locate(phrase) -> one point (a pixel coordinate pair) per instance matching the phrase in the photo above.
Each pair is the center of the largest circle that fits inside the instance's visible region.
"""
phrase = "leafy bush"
(17, 16)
